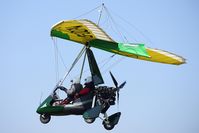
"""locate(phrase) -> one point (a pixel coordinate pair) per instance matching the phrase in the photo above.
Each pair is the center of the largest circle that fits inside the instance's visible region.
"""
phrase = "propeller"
(116, 86)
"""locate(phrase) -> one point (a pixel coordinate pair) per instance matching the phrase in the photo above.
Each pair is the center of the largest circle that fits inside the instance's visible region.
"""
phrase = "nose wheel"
(45, 118)
(89, 120)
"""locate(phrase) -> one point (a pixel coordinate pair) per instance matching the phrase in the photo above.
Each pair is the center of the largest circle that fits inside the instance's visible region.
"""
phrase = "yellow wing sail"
(162, 56)
(88, 33)
(81, 31)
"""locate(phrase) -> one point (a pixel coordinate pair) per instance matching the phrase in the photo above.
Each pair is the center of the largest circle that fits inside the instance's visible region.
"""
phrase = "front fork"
(104, 109)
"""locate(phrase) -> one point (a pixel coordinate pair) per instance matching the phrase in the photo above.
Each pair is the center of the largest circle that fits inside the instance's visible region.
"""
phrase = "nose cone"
(41, 108)
(38, 110)
(47, 108)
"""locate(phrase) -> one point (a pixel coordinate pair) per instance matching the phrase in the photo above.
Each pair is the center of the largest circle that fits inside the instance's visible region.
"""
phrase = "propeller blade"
(114, 80)
(117, 88)
(122, 85)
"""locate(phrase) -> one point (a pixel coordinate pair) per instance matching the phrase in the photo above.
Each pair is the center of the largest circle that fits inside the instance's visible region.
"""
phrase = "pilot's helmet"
(88, 79)
(75, 81)
(76, 86)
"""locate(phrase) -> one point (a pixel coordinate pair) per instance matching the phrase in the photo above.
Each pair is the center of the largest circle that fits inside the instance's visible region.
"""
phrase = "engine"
(106, 94)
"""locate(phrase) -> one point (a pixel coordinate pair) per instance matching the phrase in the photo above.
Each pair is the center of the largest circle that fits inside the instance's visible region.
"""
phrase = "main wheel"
(108, 125)
(89, 120)
(45, 118)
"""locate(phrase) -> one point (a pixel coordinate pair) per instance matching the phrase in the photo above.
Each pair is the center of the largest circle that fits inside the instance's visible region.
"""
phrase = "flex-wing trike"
(90, 35)
(89, 106)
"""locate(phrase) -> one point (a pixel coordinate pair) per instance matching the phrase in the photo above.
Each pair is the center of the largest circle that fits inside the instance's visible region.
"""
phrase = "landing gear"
(89, 120)
(45, 118)
(108, 125)
(110, 122)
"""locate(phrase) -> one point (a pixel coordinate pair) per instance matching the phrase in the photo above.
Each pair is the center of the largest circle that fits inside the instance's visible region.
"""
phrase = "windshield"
(59, 93)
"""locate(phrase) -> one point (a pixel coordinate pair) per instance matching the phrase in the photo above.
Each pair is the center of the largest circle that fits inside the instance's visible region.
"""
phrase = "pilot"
(76, 87)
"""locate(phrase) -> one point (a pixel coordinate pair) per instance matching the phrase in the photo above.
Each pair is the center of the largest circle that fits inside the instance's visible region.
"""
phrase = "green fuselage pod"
(78, 107)
(47, 108)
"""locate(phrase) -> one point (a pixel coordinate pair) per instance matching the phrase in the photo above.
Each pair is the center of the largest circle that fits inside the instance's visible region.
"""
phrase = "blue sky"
(157, 97)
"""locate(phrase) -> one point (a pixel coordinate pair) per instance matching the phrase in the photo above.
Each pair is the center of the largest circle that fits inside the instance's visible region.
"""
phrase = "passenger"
(77, 90)
(88, 88)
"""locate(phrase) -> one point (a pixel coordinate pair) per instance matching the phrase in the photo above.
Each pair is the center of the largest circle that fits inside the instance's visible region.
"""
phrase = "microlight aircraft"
(99, 100)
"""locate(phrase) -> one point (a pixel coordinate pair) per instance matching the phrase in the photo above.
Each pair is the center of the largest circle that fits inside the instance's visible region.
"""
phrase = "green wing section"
(120, 48)
(138, 51)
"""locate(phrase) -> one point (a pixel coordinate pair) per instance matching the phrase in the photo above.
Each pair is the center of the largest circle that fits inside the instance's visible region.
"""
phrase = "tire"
(45, 118)
(108, 126)
(89, 120)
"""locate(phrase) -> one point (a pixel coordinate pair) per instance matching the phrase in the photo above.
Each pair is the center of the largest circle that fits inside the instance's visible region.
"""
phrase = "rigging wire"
(62, 60)
(133, 27)
(88, 12)
(116, 25)
(104, 61)
(105, 20)
(82, 66)
(56, 59)
(100, 15)
(107, 60)
(73, 64)
(59, 53)
(113, 64)
(123, 29)
(58, 56)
